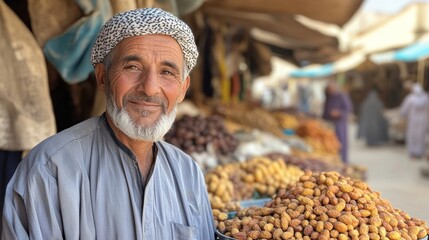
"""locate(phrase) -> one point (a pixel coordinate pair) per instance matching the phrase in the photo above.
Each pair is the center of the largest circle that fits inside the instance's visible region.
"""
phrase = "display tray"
(220, 236)
(254, 203)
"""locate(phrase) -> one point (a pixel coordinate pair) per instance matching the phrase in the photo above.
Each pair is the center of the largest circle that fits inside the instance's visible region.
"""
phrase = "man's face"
(144, 82)
(331, 89)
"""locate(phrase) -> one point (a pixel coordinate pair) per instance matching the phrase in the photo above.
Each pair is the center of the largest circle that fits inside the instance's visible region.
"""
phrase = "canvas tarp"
(26, 115)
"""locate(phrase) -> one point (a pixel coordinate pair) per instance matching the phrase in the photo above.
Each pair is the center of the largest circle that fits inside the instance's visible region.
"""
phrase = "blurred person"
(337, 108)
(415, 110)
(373, 126)
(268, 97)
(304, 96)
(112, 177)
(285, 95)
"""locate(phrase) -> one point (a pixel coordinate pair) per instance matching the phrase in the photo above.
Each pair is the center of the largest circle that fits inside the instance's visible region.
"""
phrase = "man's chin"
(144, 121)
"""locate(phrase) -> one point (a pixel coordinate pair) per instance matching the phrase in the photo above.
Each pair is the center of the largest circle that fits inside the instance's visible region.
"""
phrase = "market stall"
(286, 157)
(291, 184)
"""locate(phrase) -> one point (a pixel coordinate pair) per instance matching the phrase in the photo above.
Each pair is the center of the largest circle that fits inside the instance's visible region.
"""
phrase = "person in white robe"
(415, 109)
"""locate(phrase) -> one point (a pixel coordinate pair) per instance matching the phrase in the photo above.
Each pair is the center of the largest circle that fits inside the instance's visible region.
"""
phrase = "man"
(415, 109)
(112, 177)
(337, 108)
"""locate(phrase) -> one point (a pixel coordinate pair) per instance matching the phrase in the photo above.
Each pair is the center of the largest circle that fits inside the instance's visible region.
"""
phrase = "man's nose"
(149, 83)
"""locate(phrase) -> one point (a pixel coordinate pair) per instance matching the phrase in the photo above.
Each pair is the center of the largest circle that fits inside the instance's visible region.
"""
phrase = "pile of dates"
(324, 206)
(194, 134)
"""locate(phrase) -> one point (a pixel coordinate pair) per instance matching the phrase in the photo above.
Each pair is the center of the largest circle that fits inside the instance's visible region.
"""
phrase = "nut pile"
(250, 116)
(224, 185)
(321, 138)
(327, 157)
(268, 176)
(286, 120)
(193, 134)
(318, 165)
(239, 181)
(324, 206)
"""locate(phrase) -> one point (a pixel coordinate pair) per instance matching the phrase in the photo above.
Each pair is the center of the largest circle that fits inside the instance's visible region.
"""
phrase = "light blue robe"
(83, 184)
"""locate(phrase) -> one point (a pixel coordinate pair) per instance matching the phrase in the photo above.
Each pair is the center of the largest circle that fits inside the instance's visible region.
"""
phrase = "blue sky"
(387, 6)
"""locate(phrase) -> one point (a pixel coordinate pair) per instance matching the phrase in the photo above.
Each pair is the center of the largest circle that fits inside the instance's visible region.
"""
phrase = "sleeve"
(405, 107)
(325, 114)
(14, 221)
(34, 212)
(347, 106)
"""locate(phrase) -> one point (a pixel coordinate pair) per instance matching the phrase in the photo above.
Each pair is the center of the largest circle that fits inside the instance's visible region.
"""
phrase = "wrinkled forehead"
(162, 46)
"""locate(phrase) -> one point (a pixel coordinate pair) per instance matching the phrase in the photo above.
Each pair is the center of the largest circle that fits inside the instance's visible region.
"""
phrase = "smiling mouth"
(145, 106)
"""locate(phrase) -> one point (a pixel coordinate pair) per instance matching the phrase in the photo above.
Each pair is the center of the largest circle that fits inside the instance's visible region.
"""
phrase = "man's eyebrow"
(130, 58)
(172, 65)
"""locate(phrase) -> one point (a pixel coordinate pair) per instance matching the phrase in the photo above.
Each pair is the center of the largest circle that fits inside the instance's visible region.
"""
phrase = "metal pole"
(421, 71)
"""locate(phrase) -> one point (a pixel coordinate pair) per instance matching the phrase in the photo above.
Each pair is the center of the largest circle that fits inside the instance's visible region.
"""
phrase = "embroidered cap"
(144, 21)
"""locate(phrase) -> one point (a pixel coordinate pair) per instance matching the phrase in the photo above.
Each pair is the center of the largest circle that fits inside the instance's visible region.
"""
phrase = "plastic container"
(288, 132)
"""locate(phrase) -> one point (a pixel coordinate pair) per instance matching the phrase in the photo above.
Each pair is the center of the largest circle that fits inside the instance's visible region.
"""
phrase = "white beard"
(145, 132)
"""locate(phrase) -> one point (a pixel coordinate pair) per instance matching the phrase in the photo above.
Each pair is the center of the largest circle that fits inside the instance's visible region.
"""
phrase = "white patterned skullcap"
(144, 21)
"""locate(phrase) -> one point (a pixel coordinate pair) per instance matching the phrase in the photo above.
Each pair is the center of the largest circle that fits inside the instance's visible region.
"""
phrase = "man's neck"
(142, 150)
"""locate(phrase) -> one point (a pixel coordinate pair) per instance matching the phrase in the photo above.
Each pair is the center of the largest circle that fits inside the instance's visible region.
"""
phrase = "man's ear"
(184, 88)
(100, 75)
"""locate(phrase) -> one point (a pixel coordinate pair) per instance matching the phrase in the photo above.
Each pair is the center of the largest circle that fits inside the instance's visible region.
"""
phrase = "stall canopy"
(330, 11)
(277, 24)
(411, 53)
(317, 71)
(343, 64)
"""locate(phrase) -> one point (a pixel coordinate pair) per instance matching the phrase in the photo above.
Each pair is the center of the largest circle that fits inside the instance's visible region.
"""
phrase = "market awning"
(281, 25)
(382, 58)
(329, 11)
(413, 52)
(343, 64)
(295, 33)
(314, 71)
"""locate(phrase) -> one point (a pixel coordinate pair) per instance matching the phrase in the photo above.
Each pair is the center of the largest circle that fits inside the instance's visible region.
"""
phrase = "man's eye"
(167, 72)
(132, 67)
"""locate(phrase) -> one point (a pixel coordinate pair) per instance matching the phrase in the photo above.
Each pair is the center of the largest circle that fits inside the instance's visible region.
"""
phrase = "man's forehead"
(164, 43)
(152, 39)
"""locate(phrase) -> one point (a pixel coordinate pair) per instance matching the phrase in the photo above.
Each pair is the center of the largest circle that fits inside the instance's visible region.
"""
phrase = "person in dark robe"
(337, 108)
(373, 125)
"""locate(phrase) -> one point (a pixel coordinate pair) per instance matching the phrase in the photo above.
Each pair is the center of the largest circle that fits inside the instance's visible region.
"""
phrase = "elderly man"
(112, 177)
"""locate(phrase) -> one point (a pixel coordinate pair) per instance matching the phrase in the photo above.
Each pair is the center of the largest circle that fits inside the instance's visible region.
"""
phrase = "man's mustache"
(145, 98)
